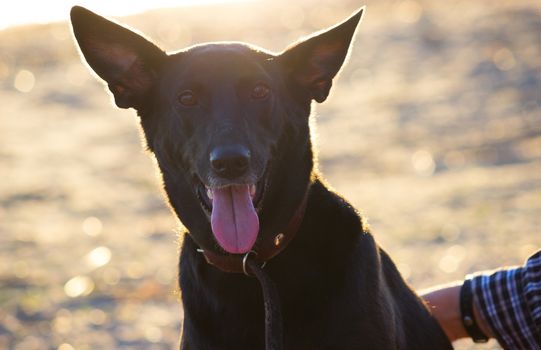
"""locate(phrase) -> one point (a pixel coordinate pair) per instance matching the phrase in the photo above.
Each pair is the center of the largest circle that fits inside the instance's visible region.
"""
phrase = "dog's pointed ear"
(314, 62)
(125, 60)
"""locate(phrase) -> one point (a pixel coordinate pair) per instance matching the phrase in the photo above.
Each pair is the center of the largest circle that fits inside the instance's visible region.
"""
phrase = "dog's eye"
(260, 91)
(187, 98)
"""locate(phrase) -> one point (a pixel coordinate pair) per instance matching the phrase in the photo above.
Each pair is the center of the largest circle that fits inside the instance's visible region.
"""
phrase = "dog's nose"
(230, 161)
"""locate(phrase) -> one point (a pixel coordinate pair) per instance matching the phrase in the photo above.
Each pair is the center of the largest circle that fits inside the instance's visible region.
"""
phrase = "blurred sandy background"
(433, 131)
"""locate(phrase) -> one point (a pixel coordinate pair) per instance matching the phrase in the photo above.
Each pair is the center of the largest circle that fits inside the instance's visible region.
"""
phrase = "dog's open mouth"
(233, 214)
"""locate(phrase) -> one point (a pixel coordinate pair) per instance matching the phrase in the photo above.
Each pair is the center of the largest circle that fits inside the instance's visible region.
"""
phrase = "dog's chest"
(316, 315)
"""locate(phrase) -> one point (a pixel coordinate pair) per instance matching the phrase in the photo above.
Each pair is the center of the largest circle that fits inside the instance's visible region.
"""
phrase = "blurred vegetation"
(433, 131)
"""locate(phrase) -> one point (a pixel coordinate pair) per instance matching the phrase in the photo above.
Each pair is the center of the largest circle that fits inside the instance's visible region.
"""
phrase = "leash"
(252, 264)
(274, 332)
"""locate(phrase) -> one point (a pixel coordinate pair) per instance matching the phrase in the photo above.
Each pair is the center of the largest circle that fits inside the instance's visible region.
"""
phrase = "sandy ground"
(433, 131)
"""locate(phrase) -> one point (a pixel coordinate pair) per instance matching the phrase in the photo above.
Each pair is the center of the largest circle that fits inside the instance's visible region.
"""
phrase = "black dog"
(228, 125)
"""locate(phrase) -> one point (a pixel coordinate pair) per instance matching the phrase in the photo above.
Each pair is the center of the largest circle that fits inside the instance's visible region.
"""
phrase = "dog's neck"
(316, 238)
(267, 248)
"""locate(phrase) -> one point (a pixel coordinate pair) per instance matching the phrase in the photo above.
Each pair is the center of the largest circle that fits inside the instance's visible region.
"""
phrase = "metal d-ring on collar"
(245, 258)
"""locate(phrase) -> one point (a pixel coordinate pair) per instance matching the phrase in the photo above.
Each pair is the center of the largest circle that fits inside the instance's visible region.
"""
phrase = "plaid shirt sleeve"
(510, 303)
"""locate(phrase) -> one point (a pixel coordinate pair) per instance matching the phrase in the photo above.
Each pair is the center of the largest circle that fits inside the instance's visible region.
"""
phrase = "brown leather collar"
(268, 247)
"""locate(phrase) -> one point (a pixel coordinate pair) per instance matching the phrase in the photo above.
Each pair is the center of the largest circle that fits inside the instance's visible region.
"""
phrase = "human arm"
(506, 305)
(444, 303)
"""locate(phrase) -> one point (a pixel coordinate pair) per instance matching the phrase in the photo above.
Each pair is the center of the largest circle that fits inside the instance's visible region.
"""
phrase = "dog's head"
(227, 122)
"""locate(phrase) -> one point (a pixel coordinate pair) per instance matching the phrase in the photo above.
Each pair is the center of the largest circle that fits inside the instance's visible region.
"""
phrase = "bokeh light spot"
(97, 317)
(135, 270)
(24, 81)
(451, 259)
(62, 323)
(79, 286)
(153, 334)
(98, 257)
(92, 226)
(504, 59)
(165, 275)
(65, 346)
(423, 163)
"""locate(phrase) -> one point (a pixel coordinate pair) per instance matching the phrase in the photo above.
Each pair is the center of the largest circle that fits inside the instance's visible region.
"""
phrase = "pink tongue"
(234, 220)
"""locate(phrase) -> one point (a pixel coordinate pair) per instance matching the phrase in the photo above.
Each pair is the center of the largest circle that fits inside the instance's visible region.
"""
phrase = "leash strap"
(252, 265)
(274, 332)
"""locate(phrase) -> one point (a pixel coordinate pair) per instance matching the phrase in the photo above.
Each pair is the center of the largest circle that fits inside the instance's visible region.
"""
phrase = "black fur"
(338, 289)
